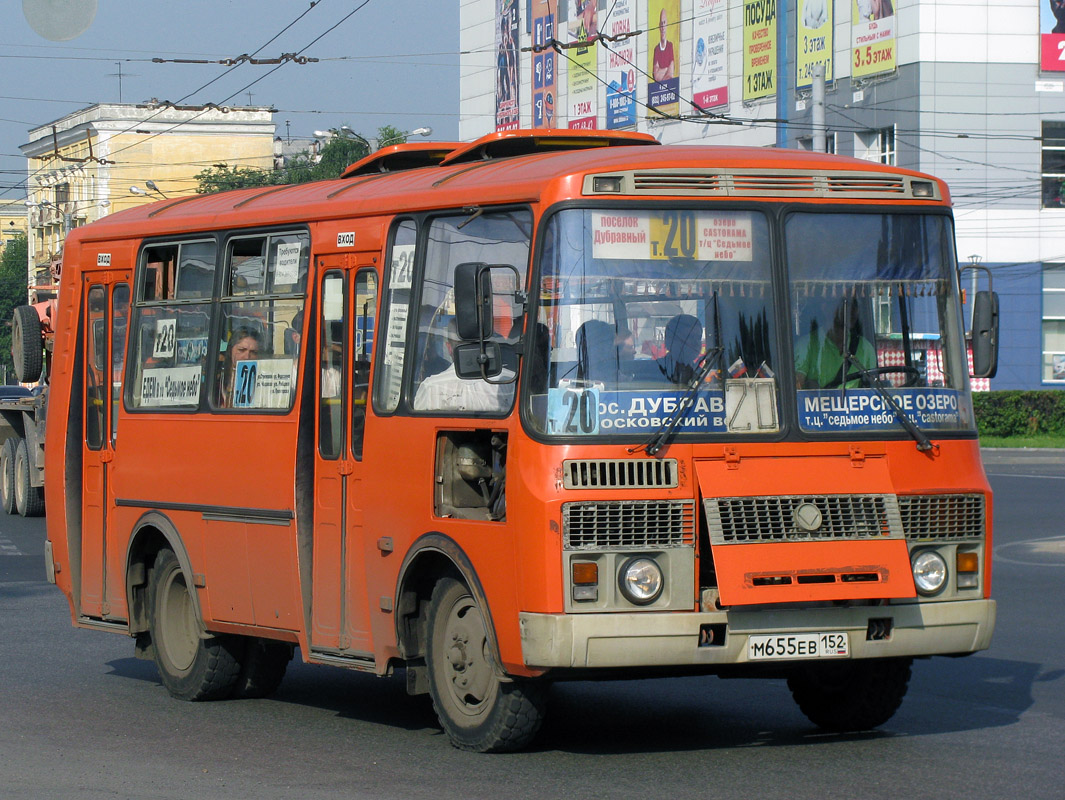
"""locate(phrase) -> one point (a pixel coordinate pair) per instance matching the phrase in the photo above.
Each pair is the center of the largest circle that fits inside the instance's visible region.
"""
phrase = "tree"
(336, 155)
(222, 178)
(13, 266)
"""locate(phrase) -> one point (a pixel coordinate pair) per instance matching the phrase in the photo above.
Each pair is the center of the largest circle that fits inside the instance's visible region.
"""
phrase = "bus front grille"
(939, 517)
(620, 473)
(802, 518)
(628, 524)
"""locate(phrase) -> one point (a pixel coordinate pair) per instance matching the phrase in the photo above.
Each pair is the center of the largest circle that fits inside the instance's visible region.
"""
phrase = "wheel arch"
(434, 556)
(154, 531)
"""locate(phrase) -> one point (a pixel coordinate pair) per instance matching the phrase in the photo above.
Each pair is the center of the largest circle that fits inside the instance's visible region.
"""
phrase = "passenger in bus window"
(446, 391)
(597, 354)
(684, 344)
(293, 334)
(819, 361)
(244, 345)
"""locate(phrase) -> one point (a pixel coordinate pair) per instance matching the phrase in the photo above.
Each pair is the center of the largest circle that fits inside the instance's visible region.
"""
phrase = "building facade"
(108, 157)
(12, 222)
(971, 92)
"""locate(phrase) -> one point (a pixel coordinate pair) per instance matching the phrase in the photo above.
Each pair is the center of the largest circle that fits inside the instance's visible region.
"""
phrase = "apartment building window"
(876, 145)
(807, 143)
(1054, 322)
(1053, 164)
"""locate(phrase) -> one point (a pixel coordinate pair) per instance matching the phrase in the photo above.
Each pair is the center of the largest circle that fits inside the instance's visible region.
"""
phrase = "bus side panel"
(230, 472)
(62, 486)
(403, 490)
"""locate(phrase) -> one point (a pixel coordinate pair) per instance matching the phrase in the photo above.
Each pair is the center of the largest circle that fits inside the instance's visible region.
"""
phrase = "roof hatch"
(506, 144)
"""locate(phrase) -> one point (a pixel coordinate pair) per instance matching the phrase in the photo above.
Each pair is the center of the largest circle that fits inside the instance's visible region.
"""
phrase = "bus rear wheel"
(193, 664)
(848, 696)
(7, 476)
(476, 709)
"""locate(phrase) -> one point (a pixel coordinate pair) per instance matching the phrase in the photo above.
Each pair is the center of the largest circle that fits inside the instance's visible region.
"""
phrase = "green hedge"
(1016, 413)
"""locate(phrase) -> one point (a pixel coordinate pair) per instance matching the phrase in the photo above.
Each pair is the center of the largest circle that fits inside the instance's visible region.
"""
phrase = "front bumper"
(673, 639)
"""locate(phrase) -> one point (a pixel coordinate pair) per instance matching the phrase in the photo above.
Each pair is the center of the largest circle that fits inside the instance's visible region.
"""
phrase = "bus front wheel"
(477, 710)
(193, 664)
(847, 696)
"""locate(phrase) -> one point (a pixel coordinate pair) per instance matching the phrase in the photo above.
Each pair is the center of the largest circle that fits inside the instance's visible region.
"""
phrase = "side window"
(119, 325)
(195, 272)
(362, 345)
(331, 379)
(168, 350)
(257, 350)
(388, 384)
(96, 380)
(499, 239)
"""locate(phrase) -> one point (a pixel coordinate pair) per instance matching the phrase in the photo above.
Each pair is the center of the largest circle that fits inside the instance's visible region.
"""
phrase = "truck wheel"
(7, 476)
(851, 695)
(29, 500)
(477, 710)
(193, 665)
(27, 345)
(262, 668)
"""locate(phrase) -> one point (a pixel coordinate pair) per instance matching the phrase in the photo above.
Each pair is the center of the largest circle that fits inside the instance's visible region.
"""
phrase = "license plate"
(764, 647)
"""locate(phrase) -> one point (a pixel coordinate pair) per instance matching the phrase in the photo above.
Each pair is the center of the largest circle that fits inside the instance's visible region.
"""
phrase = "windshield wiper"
(872, 379)
(660, 438)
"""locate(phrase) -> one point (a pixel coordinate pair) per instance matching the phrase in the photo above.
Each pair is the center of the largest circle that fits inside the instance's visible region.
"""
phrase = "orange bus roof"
(524, 178)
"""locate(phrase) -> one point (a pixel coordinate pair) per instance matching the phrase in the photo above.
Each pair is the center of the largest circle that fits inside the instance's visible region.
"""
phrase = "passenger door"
(340, 620)
(106, 303)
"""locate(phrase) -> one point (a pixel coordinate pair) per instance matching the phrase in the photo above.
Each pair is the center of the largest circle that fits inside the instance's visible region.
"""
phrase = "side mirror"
(469, 360)
(473, 301)
(985, 334)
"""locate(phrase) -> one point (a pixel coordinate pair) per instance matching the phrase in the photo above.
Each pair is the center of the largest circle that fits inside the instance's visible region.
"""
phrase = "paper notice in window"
(287, 267)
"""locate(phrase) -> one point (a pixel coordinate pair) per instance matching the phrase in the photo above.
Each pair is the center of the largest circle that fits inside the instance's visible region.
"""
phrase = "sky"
(392, 62)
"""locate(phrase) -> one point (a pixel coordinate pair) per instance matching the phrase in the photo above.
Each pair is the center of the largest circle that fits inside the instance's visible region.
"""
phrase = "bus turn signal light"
(585, 581)
(968, 570)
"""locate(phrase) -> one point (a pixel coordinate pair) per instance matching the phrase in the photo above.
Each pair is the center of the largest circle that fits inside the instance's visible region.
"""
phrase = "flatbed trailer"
(24, 410)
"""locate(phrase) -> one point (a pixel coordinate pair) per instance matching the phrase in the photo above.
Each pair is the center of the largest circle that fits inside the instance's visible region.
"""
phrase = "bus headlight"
(640, 580)
(929, 572)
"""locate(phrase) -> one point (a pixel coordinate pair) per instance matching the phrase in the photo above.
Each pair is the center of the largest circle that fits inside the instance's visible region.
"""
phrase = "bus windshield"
(873, 304)
(650, 318)
(644, 314)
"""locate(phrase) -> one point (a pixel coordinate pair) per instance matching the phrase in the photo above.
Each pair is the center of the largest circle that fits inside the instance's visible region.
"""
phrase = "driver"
(819, 362)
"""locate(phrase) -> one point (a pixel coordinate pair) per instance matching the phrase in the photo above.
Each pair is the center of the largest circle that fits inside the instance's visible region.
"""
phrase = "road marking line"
(8, 548)
(1022, 475)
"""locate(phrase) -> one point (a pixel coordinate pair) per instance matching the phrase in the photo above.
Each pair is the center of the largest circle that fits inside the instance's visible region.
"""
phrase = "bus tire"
(476, 709)
(849, 696)
(193, 665)
(262, 668)
(29, 500)
(27, 344)
(7, 476)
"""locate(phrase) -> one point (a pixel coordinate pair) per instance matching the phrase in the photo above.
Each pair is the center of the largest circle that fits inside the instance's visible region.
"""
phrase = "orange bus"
(545, 406)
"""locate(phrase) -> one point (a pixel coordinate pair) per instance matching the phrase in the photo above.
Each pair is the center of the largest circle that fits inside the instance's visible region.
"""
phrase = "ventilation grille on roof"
(764, 183)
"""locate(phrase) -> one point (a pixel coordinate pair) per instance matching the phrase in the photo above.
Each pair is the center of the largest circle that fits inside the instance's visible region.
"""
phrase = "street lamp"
(142, 193)
(345, 132)
(426, 131)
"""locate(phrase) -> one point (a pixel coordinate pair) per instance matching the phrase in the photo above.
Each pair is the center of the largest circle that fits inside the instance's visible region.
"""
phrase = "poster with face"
(663, 48)
(507, 77)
